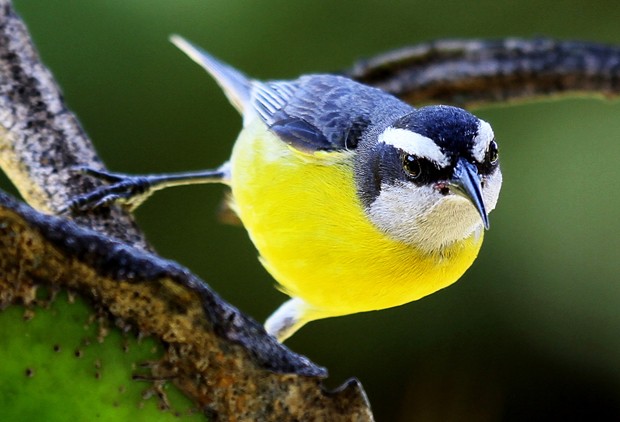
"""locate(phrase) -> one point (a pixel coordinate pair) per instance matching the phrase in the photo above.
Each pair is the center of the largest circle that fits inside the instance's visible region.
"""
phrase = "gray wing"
(322, 112)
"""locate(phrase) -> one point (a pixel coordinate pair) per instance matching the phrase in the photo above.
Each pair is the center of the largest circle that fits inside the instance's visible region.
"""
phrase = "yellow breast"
(304, 217)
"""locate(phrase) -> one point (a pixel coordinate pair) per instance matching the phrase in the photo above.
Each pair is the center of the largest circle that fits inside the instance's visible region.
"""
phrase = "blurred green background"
(531, 332)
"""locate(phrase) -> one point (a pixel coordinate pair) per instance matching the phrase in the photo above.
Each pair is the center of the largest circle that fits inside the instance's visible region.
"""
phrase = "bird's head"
(429, 178)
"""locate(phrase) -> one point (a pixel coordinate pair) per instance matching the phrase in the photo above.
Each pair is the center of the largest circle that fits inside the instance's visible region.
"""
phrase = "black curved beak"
(466, 183)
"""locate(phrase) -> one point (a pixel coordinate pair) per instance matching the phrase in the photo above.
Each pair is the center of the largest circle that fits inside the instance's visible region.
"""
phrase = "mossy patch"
(62, 362)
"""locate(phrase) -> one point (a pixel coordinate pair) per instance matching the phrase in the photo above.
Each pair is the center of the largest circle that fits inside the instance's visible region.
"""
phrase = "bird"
(355, 200)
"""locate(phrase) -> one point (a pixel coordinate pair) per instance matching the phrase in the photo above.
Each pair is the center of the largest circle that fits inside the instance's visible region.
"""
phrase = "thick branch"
(41, 142)
(217, 355)
(470, 72)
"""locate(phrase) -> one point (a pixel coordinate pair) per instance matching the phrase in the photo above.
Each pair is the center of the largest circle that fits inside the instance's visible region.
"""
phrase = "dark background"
(532, 331)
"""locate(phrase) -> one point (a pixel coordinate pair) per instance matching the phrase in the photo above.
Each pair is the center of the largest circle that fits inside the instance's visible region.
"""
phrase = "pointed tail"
(235, 84)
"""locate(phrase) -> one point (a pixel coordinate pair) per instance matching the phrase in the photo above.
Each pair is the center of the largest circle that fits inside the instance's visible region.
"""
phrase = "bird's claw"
(101, 174)
(124, 189)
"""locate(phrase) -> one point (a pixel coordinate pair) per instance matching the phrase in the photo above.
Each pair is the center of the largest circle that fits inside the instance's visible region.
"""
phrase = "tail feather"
(235, 84)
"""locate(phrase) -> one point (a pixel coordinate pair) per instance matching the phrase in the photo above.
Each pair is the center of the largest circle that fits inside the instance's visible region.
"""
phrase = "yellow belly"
(304, 217)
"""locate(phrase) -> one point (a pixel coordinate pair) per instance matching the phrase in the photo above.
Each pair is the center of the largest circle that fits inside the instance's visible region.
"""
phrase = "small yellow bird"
(355, 200)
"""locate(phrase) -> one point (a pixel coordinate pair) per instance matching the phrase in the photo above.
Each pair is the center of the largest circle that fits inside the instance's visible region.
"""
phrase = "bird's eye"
(492, 154)
(412, 166)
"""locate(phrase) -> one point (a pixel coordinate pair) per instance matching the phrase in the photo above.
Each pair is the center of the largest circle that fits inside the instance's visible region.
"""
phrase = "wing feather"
(321, 112)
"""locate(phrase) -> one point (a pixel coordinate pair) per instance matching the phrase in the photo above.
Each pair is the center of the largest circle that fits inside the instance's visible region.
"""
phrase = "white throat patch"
(423, 217)
(414, 144)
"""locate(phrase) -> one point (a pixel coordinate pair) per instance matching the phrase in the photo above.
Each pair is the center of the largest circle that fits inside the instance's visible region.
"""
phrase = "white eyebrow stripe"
(414, 144)
(482, 140)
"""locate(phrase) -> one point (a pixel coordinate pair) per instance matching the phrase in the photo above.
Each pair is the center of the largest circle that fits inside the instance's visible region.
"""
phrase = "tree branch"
(41, 141)
(472, 72)
(209, 343)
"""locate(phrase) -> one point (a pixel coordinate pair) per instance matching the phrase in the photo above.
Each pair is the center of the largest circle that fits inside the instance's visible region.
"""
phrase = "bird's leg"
(288, 318)
(132, 190)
